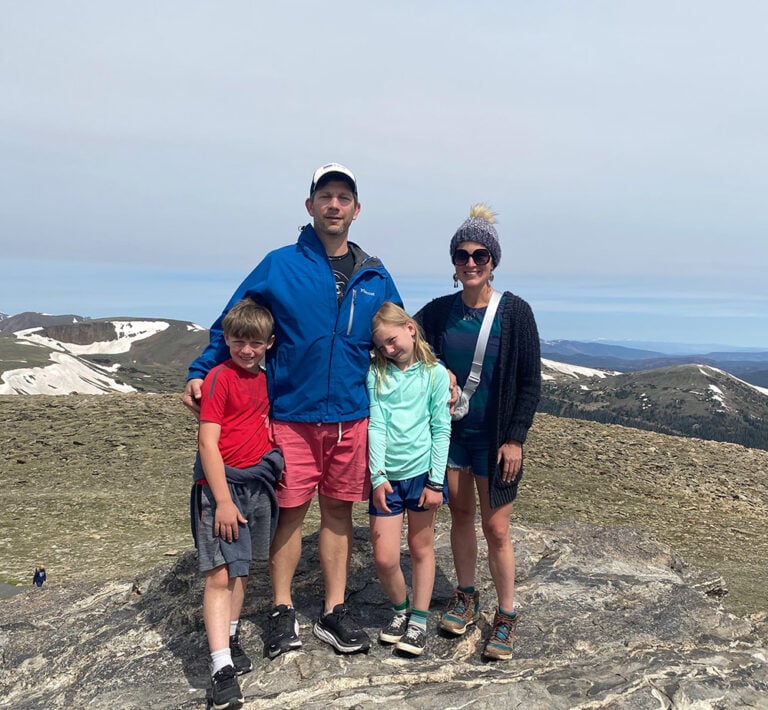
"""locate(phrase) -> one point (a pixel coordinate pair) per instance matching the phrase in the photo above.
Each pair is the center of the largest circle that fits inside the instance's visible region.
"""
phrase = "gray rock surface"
(610, 618)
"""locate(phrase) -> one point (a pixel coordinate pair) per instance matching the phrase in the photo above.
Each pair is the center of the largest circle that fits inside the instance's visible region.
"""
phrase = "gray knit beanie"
(479, 228)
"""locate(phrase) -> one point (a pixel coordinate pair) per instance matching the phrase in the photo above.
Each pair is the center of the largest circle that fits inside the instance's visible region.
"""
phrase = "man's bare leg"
(338, 629)
(284, 556)
(285, 552)
(335, 547)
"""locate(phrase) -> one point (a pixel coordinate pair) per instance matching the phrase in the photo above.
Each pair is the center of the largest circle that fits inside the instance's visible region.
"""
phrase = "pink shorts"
(329, 458)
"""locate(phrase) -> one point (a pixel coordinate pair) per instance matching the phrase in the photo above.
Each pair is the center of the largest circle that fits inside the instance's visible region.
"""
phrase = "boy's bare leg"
(285, 552)
(217, 601)
(238, 597)
(335, 547)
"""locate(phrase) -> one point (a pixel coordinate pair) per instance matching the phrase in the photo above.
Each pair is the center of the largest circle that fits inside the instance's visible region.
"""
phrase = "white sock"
(220, 659)
(233, 627)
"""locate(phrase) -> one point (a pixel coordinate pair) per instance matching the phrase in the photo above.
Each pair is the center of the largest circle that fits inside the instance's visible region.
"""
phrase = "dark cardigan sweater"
(518, 374)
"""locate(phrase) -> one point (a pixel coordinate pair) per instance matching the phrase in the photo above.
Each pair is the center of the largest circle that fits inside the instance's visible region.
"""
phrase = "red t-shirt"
(237, 400)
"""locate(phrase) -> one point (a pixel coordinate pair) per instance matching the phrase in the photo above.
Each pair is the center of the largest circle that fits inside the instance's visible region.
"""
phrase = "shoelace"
(398, 622)
(461, 605)
(226, 673)
(412, 634)
(346, 622)
(282, 623)
(502, 630)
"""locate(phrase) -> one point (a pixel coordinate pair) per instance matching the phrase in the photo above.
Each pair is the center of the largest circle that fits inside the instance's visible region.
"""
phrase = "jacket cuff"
(377, 479)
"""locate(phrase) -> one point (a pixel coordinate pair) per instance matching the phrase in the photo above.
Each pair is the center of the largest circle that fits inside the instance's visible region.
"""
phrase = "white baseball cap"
(329, 171)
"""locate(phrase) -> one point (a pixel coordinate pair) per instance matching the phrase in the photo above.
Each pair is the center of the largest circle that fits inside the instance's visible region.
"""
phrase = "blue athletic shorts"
(405, 494)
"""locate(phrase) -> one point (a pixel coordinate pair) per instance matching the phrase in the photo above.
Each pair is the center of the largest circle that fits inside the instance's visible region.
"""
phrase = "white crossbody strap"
(473, 380)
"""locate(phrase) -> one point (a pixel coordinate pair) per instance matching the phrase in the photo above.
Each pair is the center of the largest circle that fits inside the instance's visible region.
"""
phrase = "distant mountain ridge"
(28, 319)
(45, 354)
(687, 400)
(678, 348)
(749, 365)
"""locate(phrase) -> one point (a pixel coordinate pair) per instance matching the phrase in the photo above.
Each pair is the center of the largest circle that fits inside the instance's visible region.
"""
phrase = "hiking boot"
(395, 629)
(283, 631)
(414, 641)
(340, 630)
(499, 646)
(225, 690)
(462, 610)
(240, 660)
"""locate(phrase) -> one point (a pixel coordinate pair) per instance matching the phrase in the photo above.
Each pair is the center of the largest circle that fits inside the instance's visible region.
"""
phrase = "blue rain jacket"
(317, 368)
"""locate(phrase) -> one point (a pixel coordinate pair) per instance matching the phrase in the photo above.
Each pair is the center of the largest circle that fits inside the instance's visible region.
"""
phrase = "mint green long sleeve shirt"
(410, 425)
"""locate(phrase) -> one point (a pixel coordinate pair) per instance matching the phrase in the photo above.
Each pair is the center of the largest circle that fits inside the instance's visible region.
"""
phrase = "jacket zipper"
(352, 311)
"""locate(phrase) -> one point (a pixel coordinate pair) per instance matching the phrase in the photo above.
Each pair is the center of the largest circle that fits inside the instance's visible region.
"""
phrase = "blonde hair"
(247, 319)
(392, 315)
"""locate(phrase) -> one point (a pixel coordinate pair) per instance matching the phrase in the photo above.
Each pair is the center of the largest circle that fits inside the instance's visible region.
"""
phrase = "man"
(323, 292)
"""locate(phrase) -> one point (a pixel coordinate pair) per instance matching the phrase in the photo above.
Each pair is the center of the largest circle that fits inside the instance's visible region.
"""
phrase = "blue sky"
(152, 152)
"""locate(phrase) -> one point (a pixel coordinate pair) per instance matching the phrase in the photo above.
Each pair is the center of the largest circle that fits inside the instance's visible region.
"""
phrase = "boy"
(234, 508)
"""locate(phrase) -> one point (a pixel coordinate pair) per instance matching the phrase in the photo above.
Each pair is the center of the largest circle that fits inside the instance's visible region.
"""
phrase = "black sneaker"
(340, 630)
(225, 690)
(283, 631)
(414, 641)
(240, 660)
(395, 629)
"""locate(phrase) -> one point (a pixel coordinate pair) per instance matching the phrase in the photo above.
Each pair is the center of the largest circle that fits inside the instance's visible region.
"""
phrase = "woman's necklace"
(472, 313)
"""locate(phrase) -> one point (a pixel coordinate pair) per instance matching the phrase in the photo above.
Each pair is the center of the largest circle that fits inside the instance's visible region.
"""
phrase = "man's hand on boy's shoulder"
(193, 392)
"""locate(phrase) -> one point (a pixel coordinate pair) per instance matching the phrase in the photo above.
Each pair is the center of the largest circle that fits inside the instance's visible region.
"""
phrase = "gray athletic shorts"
(209, 546)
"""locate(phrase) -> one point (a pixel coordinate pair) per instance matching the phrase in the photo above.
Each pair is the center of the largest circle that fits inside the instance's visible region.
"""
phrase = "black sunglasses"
(480, 256)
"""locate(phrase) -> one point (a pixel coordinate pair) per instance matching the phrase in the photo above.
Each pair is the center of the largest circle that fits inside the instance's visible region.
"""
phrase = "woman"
(486, 450)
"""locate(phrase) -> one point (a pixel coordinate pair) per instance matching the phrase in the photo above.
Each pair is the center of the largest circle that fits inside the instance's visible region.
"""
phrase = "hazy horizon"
(563, 311)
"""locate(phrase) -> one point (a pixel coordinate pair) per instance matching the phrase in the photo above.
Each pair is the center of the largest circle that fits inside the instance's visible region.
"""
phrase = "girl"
(408, 435)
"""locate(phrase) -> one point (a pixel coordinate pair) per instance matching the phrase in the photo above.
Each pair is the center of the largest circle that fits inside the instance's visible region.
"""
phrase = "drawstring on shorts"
(341, 430)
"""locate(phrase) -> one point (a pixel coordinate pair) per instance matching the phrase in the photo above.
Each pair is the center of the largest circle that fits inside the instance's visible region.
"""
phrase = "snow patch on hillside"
(69, 374)
(65, 376)
(575, 371)
(128, 332)
(707, 371)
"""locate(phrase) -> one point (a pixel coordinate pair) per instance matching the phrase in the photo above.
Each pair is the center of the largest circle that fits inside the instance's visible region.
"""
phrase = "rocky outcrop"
(82, 333)
(609, 619)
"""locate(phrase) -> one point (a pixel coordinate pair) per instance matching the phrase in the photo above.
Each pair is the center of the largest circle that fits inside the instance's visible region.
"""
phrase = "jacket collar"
(308, 239)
